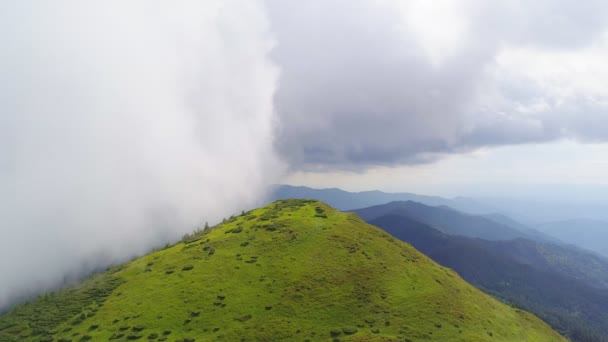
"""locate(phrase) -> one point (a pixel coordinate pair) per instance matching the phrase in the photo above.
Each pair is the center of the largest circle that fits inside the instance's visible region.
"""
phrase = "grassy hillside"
(295, 270)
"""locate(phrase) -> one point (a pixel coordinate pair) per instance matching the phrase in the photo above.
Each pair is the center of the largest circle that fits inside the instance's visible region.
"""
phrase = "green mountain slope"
(295, 270)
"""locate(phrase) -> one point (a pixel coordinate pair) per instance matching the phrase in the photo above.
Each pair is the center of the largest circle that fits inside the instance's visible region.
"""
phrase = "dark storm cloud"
(358, 90)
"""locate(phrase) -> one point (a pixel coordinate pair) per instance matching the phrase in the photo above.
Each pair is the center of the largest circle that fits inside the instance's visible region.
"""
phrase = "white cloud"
(125, 125)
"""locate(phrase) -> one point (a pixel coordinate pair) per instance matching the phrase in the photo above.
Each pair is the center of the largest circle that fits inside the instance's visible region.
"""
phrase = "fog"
(124, 125)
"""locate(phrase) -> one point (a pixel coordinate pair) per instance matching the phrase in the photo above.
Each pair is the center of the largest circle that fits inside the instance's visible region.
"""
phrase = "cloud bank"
(367, 83)
(124, 125)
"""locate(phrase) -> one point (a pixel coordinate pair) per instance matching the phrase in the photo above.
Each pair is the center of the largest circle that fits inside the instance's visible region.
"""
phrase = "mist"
(124, 125)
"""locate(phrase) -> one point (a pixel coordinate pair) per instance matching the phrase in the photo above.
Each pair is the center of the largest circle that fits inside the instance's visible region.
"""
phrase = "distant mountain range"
(565, 286)
(453, 222)
(586, 233)
(344, 200)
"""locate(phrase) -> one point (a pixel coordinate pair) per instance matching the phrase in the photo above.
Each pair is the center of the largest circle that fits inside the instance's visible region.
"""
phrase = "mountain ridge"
(445, 219)
(348, 201)
(591, 234)
(500, 267)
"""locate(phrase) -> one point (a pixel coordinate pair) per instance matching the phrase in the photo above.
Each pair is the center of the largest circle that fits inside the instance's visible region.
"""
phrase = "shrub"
(187, 267)
(79, 319)
(153, 336)
(244, 318)
(349, 331)
(234, 230)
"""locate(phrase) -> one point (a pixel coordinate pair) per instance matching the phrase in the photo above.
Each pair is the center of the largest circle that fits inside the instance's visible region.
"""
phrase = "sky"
(124, 125)
(564, 168)
(442, 97)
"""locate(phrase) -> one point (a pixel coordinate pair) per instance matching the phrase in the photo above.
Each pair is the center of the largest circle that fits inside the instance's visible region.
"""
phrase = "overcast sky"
(438, 96)
(124, 124)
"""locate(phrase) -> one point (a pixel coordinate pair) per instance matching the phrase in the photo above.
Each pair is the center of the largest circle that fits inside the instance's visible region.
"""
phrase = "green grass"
(295, 270)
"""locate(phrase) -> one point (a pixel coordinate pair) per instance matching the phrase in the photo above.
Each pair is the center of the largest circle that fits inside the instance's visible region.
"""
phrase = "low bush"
(243, 318)
(349, 331)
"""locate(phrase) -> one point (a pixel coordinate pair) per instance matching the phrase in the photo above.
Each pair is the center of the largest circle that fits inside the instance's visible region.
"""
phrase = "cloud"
(368, 83)
(124, 125)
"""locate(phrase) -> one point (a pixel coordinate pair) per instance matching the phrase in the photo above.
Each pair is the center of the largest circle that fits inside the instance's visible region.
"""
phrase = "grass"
(295, 270)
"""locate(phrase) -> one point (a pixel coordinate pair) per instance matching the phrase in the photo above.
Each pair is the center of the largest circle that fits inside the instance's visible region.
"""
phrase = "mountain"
(344, 200)
(295, 270)
(551, 206)
(445, 219)
(585, 233)
(533, 233)
(570, 260)
(525, 273)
